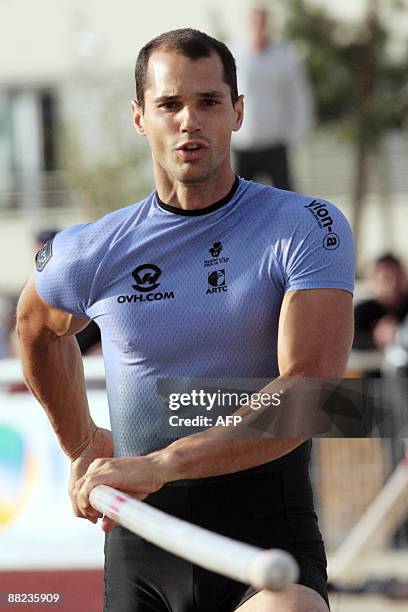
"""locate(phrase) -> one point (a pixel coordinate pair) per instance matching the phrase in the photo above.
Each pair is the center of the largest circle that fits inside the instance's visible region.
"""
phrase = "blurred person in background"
(377, 319)
(394, 391)
(395, 364)
(278, 104)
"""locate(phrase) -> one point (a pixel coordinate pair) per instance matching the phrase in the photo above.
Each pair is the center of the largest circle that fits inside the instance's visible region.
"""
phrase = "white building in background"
(70, 63)
(60, 59)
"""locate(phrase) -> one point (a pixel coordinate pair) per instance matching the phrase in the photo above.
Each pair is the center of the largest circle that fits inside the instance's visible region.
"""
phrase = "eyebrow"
(200, 94)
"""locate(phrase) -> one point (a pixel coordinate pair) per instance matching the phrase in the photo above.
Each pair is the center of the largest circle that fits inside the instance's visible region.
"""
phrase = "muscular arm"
(53, 370)
(315, 335)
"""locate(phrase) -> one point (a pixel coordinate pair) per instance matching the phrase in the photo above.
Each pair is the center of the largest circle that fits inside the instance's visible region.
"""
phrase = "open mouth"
(192, 150)
(192, 147)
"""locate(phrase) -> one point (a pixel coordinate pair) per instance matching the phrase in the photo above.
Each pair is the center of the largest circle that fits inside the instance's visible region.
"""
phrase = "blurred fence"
(33, 191)
(327, 164)
(347, 475)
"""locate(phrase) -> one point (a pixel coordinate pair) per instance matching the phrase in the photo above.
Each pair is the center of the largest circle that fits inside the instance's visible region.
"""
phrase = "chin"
(194, 177)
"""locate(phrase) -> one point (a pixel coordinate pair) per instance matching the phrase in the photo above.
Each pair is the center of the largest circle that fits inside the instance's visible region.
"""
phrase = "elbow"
(24, 321)
(30, 329)
(26, 335)
(22, 324)
(319, 368)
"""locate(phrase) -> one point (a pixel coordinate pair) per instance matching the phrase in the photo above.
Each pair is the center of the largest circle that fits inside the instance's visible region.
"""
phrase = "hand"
(101, 445)
(384, 332)
(137, 476)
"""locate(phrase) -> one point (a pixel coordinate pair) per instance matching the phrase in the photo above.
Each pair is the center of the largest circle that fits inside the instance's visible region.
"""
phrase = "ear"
(138, 119)
(239, 113)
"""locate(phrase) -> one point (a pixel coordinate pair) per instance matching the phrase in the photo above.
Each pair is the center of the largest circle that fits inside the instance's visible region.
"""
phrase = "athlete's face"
(188, 117)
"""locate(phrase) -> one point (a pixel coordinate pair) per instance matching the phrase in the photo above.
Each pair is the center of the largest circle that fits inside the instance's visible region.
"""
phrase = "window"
(27, 144)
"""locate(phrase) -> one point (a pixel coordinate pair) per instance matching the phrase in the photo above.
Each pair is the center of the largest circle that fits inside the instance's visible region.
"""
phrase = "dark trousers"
(269, 510)
(272, 161)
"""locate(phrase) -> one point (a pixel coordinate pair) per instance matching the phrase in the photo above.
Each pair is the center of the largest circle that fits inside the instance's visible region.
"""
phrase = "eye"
(169, 105)
(210, 102)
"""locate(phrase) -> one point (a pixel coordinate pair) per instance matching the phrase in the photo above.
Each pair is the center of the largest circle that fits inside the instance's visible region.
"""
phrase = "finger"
(76, 481)
(83, 488)
(73, 493)
(108, 524)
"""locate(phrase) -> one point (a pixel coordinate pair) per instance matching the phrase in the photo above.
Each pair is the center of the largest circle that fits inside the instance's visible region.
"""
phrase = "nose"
(189, 120)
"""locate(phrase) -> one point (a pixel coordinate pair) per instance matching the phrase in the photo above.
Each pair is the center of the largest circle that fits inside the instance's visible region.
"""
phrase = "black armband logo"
(44, 255)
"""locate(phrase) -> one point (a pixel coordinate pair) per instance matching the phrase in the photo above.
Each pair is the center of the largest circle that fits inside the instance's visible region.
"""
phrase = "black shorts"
(269, 510)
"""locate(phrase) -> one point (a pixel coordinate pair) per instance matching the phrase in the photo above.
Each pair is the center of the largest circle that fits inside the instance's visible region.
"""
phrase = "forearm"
(200, 456)
(263, 434)
(53, 371)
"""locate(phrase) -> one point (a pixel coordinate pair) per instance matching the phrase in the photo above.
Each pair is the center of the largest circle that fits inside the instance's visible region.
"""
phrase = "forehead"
(384, 268)
(170, 73)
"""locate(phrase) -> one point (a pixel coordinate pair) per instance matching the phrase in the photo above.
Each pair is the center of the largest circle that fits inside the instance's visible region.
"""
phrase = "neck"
(393, 301)
(194, 196)
(260, 43)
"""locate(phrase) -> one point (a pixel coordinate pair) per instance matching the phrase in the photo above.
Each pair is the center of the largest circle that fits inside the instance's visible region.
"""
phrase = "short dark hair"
(389, 259)
(192, 44)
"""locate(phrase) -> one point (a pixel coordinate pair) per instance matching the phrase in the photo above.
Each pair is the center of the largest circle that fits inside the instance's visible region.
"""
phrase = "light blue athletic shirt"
(191, 293)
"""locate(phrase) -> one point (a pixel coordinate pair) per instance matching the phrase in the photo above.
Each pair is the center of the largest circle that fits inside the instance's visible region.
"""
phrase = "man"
(377, 319)
(278, 104)
(147, 274)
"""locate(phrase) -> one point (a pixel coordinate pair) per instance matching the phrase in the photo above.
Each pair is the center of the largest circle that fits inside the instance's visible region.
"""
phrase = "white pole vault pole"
(264, 569)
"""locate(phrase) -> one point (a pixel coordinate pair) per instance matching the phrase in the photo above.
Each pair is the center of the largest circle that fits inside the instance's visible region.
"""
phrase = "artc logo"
(216, 282)
(216, 279)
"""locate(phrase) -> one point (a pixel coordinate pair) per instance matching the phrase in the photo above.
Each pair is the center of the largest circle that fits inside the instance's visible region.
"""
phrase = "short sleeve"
(316, 250)
(64, 273)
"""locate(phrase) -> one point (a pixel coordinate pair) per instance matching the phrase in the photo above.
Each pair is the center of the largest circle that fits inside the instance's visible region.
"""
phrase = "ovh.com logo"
(146, 277)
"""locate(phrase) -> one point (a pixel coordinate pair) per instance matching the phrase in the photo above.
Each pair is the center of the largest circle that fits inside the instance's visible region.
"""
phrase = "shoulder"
(288, 211)
(66, 268)
(85, 242)
(310, 239)
(315, 221)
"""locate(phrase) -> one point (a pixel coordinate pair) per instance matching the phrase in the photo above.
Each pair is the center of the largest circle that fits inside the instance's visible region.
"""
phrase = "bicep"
(315, 333)
(36, 318)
